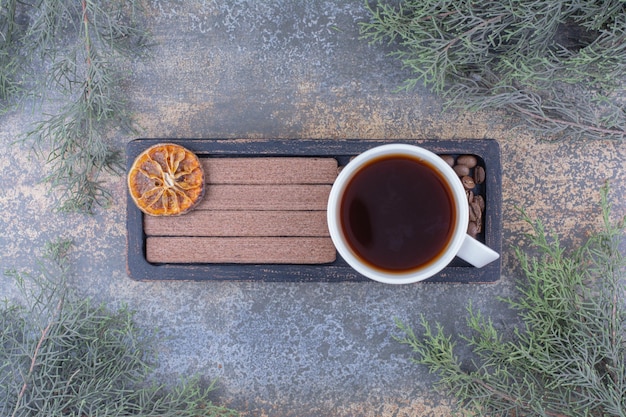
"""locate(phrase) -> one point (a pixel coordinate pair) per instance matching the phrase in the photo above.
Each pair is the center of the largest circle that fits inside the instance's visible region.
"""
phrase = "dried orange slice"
(166, 180)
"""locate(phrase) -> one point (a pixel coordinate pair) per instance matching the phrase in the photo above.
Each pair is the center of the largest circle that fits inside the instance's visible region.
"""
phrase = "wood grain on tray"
(255, 210)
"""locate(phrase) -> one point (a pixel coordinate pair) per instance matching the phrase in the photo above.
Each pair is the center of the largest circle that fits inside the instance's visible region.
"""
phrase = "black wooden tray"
(139, 268)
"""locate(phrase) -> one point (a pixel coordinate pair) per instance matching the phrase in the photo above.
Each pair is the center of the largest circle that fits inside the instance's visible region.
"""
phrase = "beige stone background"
(294, 70)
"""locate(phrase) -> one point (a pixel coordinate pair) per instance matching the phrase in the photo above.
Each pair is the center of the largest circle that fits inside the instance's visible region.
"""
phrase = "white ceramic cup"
(460, 244)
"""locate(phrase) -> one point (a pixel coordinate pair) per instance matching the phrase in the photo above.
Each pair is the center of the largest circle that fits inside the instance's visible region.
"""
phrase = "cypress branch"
(80, 46)
(567, 355)
(532, 58)
(64, 356)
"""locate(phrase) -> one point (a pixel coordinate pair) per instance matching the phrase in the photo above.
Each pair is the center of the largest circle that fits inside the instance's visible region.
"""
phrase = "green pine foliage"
(68, 55)
(64, 356)
(558, 64)
(567, 356)
(10, 83)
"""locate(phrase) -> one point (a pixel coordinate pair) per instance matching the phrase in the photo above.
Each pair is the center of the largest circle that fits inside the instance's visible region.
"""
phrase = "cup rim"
(460, 201)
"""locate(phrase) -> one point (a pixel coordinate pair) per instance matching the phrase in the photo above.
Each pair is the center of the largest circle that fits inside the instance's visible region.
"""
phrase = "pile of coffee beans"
(471, 174)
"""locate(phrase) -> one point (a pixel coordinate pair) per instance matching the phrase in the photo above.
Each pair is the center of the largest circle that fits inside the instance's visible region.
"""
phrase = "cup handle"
(476, 253)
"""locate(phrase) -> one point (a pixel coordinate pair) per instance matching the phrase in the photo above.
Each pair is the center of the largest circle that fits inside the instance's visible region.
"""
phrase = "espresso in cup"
(397, 213)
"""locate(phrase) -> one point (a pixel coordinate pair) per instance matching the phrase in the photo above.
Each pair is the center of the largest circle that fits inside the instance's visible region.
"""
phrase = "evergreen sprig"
(567, 355)
(70, 54)
(10, 60)
(64, 356)
(558, 64)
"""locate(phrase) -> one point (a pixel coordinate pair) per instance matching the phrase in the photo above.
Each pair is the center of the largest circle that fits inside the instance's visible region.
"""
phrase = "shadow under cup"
(393, 213)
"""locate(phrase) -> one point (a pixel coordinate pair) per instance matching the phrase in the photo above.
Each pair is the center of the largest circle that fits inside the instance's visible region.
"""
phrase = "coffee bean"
(468, 182)
(469, 161)
(471, 174)
(481, 202)
(479, 174)
(472, 215)
(473, 229)
(461, 170)
(449, 159)
(475, 211)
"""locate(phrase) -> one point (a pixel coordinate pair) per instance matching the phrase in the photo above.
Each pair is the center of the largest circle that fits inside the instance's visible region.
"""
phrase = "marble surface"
(294, 70)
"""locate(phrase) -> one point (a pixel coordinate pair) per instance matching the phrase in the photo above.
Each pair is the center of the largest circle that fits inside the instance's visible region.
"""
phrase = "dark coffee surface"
(397, 213)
